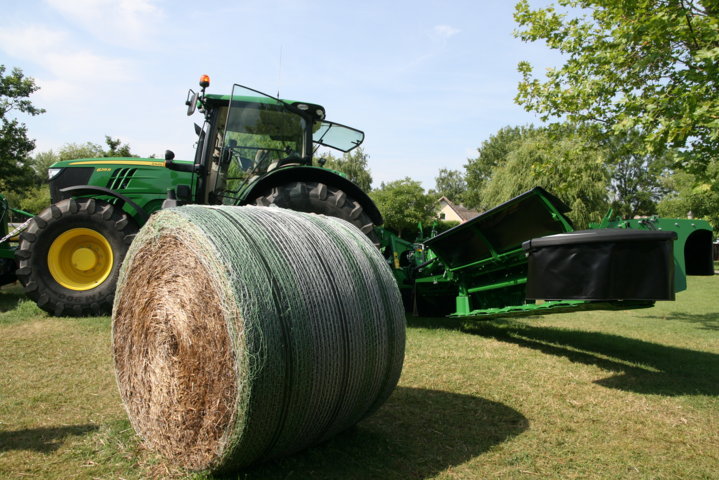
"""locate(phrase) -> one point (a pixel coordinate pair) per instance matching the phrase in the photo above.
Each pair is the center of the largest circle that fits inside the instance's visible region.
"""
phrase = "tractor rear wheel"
(70, 256)
(316, 197)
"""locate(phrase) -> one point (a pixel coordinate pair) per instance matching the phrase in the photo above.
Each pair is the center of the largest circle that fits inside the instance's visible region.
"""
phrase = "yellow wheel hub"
(80, 259)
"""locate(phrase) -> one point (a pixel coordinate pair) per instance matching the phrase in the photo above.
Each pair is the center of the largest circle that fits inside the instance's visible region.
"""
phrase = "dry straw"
(245, 333)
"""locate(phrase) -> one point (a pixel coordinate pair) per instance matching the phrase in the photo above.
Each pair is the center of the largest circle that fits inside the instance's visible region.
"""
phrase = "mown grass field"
(631, 394)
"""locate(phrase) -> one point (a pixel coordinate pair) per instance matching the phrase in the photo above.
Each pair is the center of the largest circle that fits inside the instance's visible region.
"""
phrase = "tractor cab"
(249, 135)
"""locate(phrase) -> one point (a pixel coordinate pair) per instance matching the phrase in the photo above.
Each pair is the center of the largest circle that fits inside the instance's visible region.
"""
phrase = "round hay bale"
(242, 334)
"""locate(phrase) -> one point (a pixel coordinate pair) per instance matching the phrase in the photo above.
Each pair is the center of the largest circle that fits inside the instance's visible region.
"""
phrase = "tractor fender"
(141, 215)
(313, 174)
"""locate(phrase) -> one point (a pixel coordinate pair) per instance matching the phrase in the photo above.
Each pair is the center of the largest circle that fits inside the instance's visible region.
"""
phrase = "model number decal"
(104, 170)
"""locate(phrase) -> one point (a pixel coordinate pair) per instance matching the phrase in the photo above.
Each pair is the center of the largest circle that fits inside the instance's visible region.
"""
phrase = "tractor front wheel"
(316, 197)
(70, 256)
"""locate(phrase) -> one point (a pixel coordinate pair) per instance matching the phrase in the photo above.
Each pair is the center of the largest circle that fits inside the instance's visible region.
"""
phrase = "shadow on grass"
(43, 440)
(641, 366)
(706, 321)
(10, 297)
(416, 434)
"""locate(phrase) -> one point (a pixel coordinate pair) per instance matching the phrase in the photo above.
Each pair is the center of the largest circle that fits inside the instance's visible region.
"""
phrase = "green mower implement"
(525, 258)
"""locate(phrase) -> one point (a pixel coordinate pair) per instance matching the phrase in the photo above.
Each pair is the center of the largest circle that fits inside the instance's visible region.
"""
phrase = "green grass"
(631, 394)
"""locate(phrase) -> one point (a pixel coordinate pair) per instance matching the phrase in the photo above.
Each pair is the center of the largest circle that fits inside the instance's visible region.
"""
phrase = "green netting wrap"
(246, 333)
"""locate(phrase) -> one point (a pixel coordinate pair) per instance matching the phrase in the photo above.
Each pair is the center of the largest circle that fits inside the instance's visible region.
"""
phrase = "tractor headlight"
(53, 172)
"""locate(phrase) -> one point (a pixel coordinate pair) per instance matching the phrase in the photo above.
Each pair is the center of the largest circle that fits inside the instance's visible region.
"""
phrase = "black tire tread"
(317, 197)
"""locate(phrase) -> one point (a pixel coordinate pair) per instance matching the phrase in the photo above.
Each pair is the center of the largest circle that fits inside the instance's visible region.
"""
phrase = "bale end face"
(175, 361)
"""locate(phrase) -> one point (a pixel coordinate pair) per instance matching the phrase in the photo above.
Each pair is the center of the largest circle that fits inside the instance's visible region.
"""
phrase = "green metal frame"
(554, 306)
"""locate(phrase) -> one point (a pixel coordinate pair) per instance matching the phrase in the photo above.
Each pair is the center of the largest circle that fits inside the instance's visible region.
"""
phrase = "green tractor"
(252, 149)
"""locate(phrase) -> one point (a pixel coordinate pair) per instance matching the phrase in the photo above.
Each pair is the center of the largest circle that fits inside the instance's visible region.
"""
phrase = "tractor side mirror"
(169, 155)
(191, 101)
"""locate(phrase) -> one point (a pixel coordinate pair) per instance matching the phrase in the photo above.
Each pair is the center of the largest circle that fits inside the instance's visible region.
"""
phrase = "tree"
(116, 148)
(354, 165)
(450, 184)
(650, 66)
(636, 178)
(404, 204)
(563, 161)
(15, 88)
(491, 154)
(72, 151)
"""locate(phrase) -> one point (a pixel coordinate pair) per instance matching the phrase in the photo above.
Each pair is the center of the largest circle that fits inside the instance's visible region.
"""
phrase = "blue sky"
(427, 81)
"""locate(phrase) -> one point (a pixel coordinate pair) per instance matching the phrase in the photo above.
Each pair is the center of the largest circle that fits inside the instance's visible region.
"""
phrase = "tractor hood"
(142, 180)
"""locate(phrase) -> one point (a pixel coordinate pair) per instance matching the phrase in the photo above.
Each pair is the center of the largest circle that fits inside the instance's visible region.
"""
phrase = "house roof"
(461, 211)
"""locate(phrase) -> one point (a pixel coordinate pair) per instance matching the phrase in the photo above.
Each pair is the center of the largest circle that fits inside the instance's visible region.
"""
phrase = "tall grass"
(632, 394)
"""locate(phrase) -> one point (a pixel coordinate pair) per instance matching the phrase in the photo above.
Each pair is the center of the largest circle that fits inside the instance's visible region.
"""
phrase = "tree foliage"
(451, 184)
(491, 154)
(115, 148)
(15, 146)
(635, 178)
(632, 181)
(563, 161)
(631, 65)
(404, 204)
(354, 165)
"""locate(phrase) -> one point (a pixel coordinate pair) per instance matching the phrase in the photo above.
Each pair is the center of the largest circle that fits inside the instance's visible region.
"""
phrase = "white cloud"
(85, 65)
(438, 38)
(129, 23)
(32, 41)
(445, 31)
(69, 70)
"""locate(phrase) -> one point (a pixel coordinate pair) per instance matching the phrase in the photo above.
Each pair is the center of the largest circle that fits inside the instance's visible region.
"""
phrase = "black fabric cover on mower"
(609, 264)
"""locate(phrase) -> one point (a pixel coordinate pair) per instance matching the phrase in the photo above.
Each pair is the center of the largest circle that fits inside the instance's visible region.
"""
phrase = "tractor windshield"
(260, 133)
